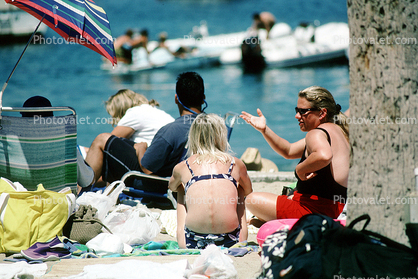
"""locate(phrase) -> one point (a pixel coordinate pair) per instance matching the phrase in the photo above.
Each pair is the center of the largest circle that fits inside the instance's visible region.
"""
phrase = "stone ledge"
(257, 176)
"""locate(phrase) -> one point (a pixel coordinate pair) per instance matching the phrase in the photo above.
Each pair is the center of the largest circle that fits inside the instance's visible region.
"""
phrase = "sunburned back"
(212, 203)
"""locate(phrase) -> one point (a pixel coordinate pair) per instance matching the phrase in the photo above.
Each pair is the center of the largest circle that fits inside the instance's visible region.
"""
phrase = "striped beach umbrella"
(77, 21)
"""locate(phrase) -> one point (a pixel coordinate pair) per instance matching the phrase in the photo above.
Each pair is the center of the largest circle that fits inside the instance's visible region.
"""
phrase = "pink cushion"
(270, 227)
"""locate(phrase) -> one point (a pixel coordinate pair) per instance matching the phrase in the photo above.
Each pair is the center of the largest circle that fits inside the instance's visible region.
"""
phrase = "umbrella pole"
(14, 68)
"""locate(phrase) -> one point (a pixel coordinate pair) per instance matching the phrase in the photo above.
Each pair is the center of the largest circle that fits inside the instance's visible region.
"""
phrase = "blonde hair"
(319, 98)
(124, 99)
(208, 139)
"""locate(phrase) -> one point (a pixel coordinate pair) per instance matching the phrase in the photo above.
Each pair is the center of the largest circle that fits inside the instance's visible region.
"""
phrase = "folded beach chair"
(134, 178)
(36, 150)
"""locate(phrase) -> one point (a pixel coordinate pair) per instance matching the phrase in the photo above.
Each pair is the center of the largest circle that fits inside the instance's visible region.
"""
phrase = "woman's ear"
(323, 114)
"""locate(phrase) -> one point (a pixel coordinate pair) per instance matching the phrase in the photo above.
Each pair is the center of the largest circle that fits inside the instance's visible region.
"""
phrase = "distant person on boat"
(123, 48)
(125, 43)
(135, 119)
(322, 173)
(141, 40)
(37, 101)
(219, 177)
(264, 20)
(179, 53)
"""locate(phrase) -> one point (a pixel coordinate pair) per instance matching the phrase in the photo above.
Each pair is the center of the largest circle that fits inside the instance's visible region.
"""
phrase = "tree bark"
(383, 111)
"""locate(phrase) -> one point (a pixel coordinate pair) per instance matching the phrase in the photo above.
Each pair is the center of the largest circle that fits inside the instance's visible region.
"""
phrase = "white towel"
(22, 270)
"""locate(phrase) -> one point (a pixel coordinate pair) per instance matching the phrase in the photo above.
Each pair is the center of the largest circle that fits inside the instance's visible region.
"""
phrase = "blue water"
(70, 75)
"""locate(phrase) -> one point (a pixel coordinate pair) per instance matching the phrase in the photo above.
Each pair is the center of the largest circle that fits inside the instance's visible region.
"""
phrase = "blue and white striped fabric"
(42, 150)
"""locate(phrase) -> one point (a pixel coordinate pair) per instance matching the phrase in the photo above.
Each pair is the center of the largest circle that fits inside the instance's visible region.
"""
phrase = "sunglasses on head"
(303, 111)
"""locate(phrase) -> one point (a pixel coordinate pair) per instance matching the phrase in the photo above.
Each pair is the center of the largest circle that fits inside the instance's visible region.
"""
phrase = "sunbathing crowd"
(193, 150)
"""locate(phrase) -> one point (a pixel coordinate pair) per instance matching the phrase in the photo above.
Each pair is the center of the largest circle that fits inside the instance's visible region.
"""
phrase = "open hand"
(259, 123)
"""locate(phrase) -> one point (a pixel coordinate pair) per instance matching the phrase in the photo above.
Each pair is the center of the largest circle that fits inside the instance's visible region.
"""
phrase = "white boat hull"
(330, 42)
(17, 24)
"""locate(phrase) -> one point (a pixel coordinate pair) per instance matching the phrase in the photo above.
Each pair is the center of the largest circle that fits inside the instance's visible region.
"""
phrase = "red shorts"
(303, 204)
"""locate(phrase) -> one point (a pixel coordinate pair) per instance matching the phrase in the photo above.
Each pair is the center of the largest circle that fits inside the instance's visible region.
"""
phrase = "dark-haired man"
(167, 147)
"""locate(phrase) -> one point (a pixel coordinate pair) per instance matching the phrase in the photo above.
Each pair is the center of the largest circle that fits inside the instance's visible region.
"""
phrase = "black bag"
(319, 247)
(351, 253)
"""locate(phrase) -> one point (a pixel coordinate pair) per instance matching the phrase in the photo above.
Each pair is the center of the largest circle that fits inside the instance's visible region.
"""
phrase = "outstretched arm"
(278, 144)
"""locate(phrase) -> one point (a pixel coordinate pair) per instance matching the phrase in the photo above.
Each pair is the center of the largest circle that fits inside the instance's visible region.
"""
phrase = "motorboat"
(307, 44)
(201, 50)
(17, 25)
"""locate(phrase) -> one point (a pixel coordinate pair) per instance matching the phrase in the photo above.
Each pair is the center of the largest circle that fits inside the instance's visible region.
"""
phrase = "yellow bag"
(28, 217)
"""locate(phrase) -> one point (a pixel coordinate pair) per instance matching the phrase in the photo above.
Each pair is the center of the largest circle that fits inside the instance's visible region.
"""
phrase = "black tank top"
(323, 184)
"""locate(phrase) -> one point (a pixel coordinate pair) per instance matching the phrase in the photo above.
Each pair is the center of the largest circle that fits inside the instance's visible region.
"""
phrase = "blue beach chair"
(134, 180)
(36, 150)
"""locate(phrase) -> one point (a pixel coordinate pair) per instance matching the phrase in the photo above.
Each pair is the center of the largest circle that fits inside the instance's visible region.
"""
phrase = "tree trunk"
(383, 111)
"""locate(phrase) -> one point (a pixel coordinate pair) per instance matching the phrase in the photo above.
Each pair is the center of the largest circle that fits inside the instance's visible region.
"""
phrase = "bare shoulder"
(238, 162)
(333, 130)
(179, 167)
(240, 168)
(317, 134)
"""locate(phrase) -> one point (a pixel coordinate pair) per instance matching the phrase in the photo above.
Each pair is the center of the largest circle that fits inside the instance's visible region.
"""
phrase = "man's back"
(168, 146)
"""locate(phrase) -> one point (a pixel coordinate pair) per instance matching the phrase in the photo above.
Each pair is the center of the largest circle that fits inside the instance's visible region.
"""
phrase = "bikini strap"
(231, 166)
(326, 132)
(190, 169)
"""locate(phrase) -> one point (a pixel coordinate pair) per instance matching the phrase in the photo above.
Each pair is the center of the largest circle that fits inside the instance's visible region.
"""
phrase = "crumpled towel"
(242, 248)
(22, 270)
(162, 248)
(135, 269)
(51, 250)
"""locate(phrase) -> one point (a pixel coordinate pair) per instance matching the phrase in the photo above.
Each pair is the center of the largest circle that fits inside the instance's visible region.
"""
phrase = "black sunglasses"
(303, 111)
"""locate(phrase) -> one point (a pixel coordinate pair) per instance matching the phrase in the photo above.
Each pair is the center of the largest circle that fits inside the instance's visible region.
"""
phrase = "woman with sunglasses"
(322, 172)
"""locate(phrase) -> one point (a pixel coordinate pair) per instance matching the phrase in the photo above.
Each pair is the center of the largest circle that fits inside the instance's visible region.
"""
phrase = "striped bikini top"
(196, 178)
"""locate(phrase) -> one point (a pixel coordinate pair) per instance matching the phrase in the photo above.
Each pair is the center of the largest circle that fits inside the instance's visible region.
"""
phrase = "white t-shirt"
(146, 120)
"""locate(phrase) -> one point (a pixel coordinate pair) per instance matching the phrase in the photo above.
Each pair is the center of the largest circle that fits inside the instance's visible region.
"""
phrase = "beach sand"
(247, 266)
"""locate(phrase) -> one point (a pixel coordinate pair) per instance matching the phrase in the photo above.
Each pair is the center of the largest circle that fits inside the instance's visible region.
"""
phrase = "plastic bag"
(106, 243)
(103, 202)
(134, 225)
(212, 263)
